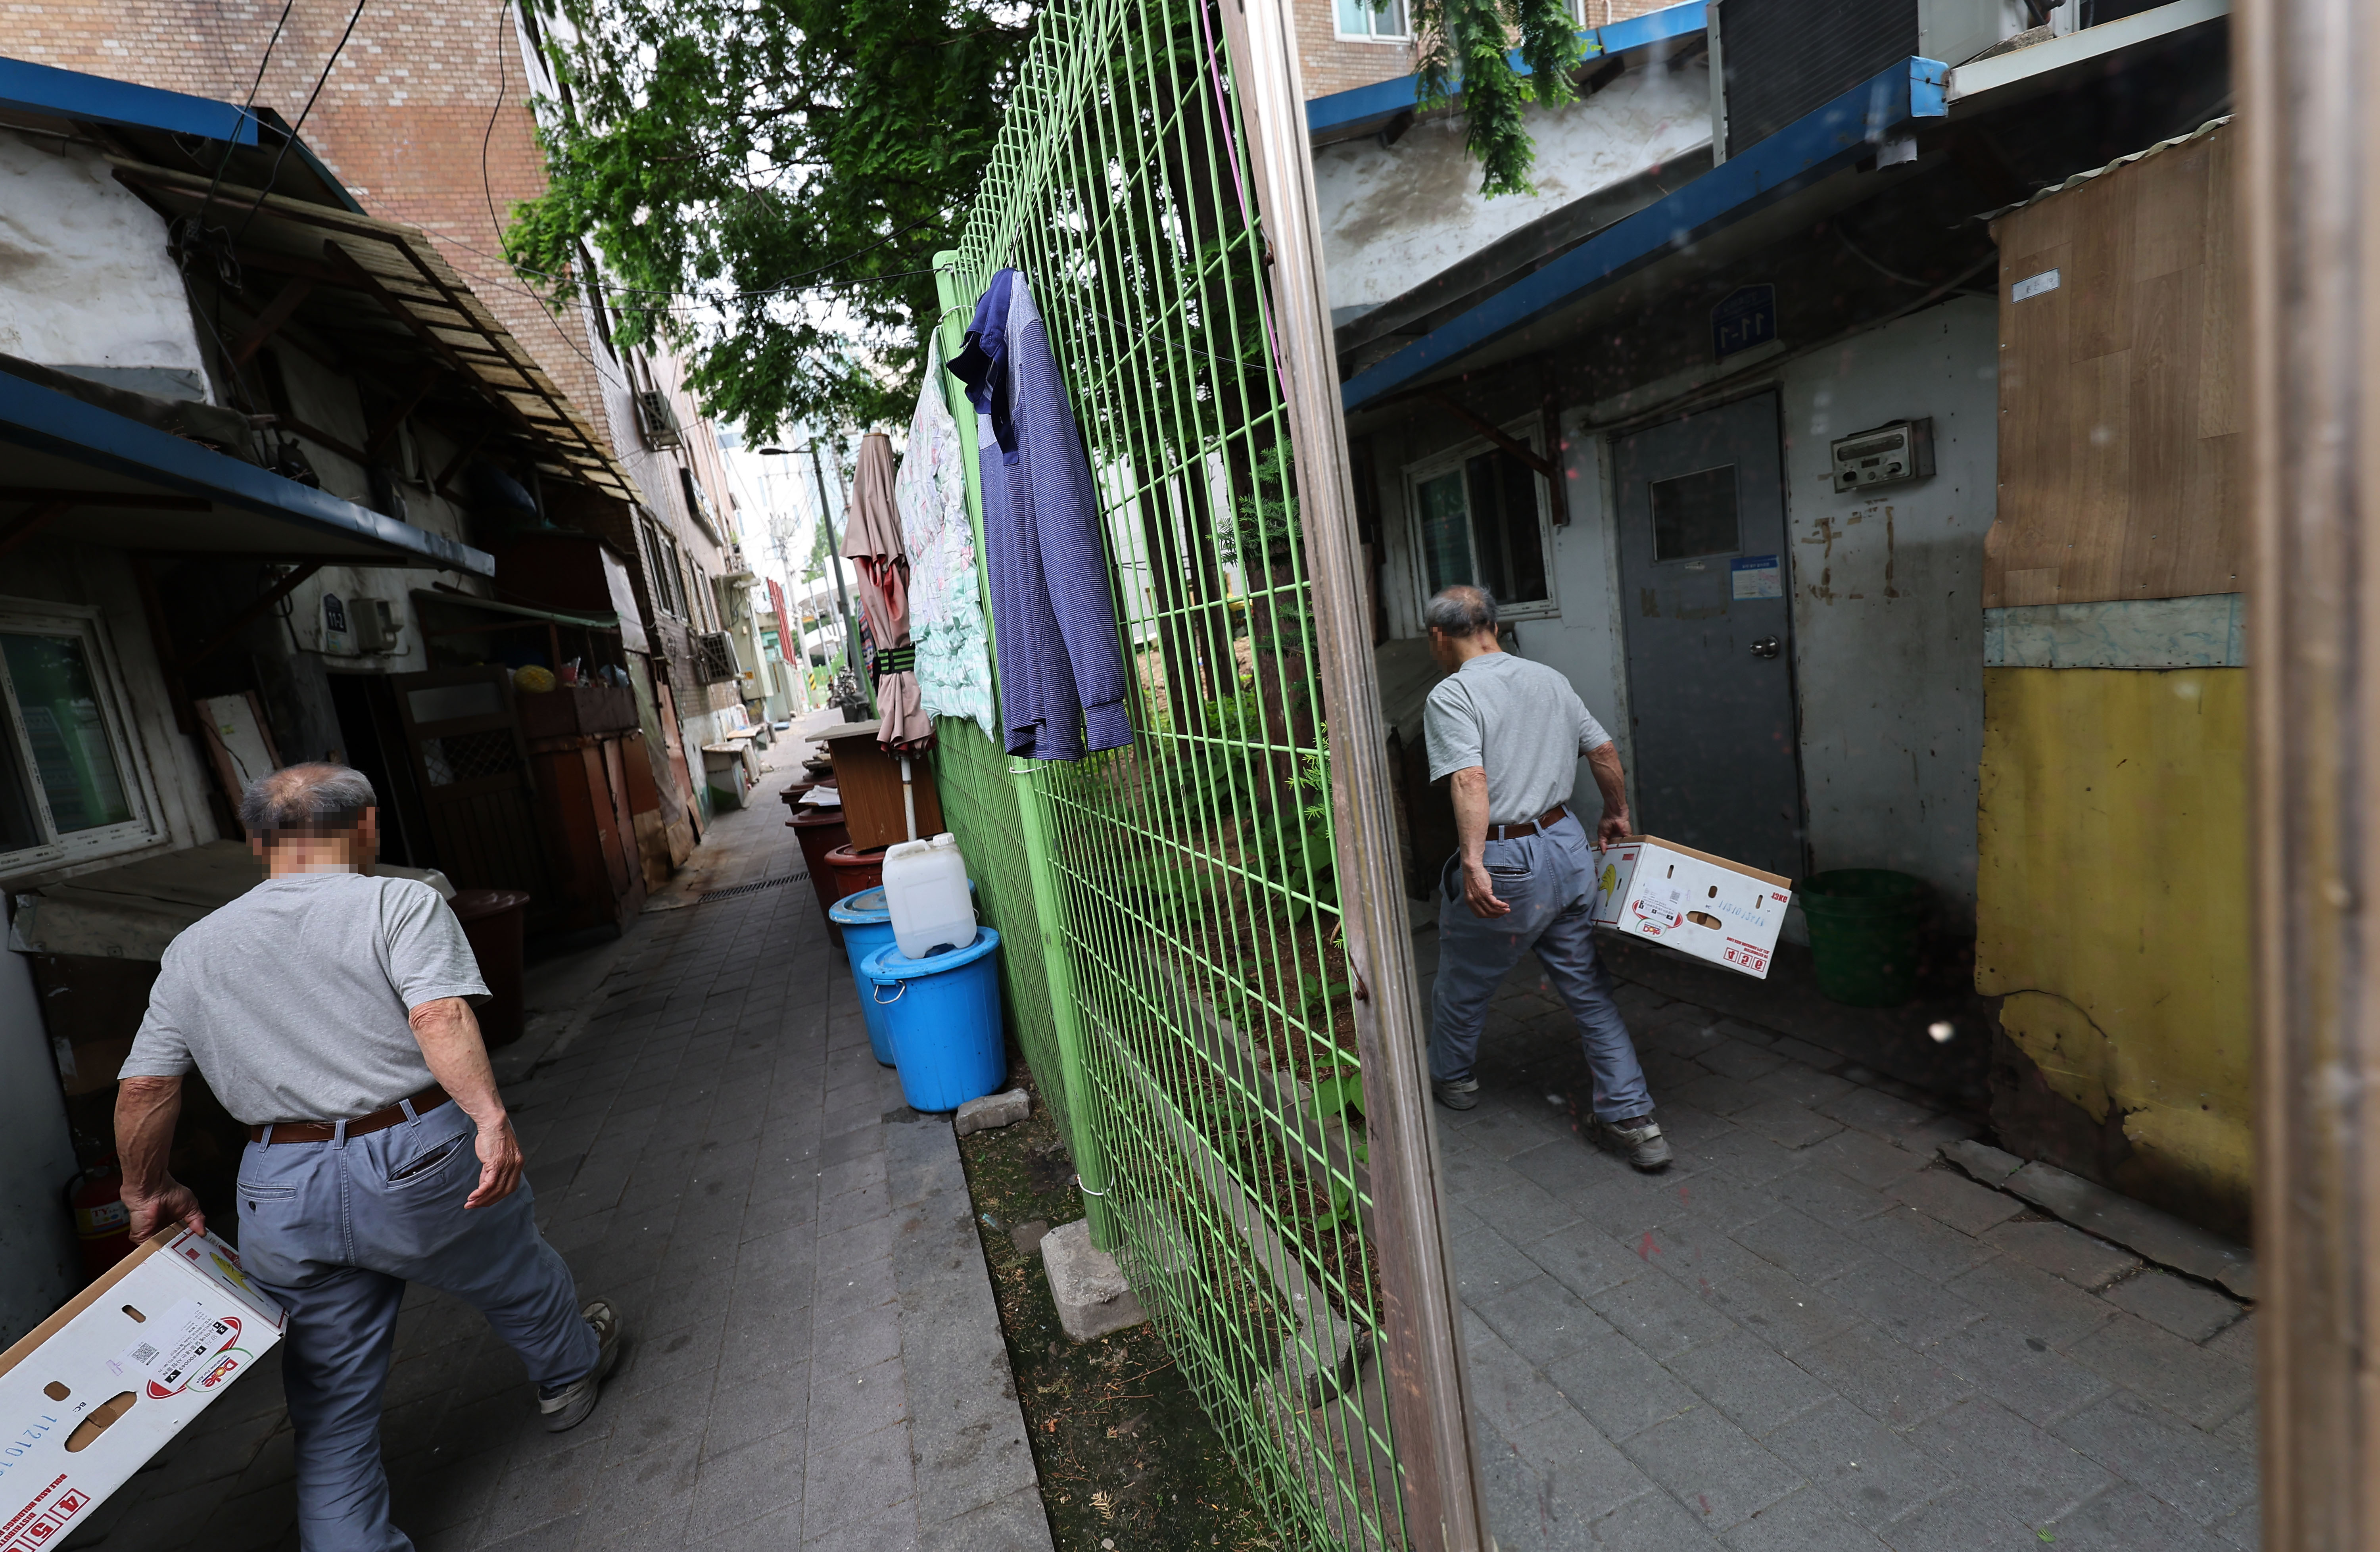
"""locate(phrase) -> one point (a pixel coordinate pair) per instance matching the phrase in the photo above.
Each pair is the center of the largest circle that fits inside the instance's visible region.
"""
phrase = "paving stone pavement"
(1809, 1333)
(813, 1356)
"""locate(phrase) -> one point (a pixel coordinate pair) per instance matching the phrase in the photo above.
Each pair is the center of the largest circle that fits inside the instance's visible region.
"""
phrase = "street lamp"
(834, 555)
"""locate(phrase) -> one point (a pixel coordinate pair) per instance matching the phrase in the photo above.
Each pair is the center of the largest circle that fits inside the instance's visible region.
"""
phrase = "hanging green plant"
(1465, 48)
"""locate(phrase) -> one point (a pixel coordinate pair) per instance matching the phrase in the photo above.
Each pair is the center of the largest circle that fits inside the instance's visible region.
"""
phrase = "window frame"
(146, 828)
(1403, 9)
(1455, 460)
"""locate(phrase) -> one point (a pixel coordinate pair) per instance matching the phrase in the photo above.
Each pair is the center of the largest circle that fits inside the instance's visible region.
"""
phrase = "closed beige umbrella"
(872, 544)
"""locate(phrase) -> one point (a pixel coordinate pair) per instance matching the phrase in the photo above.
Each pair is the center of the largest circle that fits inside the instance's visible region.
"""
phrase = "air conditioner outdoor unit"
(659, 421)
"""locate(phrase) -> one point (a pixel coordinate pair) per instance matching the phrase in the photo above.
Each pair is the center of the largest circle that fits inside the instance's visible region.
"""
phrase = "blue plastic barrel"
(944, 1014)
(866, 926)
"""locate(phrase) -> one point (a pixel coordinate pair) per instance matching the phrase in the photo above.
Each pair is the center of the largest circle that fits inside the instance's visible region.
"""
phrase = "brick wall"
(1332, 64)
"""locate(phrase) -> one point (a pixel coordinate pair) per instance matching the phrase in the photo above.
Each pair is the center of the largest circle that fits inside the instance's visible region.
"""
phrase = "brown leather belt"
(1546, 820)
(324, 1131)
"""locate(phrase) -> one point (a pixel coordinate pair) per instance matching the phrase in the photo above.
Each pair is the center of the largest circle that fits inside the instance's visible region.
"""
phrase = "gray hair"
(316, 800)
(1460, 610)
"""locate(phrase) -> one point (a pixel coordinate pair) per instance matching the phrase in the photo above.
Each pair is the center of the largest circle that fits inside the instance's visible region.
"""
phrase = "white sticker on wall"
(1756, 576)
(2033, 286)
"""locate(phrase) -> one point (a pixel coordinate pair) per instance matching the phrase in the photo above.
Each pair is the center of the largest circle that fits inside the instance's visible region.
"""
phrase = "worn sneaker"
(1456, 1094)
(566, 1406)
(1637, 1139)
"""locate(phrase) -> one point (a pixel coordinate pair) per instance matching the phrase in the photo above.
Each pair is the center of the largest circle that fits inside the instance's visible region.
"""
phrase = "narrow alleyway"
(813, 1356)
(1809, 1333)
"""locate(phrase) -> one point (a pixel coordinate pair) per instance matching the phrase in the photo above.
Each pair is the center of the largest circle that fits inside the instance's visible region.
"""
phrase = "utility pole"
(834, 565)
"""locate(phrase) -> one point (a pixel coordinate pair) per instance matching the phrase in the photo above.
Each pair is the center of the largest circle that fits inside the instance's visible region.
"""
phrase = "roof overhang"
(2005, 78)
(382, 285)
(108, 480)
(1822, 146)
(508, 615)
(56, 94)
(1345, 115)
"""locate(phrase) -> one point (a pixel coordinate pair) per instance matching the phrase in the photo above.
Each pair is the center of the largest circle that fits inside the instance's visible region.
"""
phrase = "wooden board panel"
(2121, 414)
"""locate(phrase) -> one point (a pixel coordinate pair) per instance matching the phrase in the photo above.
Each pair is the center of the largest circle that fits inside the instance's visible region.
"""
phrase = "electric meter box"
(1886, 455)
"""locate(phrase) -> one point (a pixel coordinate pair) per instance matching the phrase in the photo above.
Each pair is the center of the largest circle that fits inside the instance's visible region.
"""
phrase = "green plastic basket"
(1866, 931)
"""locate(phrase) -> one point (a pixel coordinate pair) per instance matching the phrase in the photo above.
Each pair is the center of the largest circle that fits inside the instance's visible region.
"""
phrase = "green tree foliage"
(1465, 45)
(765, 178)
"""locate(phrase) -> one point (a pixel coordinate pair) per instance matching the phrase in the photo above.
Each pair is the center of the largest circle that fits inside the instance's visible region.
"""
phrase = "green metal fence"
(1170, 909)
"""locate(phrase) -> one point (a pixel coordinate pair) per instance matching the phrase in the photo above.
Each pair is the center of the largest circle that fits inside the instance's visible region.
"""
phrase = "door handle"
(1766, 646)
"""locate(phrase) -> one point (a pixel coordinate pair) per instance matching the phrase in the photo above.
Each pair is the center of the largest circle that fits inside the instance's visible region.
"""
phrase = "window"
(1481, 521)
(1694, 514)
(1381, 19)
(661, 574)
(698, 505)
(69, 787)
(592, 278)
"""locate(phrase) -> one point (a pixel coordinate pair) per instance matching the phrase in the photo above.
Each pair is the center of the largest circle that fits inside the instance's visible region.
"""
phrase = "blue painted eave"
(47, 421)
(1813, 146)
(44, 88)
(1385, 99)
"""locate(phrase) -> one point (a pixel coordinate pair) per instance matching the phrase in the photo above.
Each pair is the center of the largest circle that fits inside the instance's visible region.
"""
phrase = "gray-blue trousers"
(1548, 880)
(335, 1230)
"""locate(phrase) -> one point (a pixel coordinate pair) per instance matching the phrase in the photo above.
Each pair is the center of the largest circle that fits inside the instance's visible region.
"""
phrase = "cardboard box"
(1692, 902)
(97, 1388)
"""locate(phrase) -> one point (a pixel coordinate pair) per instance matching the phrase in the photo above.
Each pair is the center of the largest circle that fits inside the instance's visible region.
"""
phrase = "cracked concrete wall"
(1887, 603)
(1393, 216)
(2114, 922)
(85, 282)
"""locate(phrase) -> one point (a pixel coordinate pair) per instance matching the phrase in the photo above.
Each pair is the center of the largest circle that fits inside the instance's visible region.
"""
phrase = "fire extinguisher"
(101, 1222)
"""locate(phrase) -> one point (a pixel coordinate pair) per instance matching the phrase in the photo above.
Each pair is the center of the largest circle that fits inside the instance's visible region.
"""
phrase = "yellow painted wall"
(2112, 915)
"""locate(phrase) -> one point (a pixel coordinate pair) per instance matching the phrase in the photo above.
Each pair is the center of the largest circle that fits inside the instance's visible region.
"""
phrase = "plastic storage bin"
(944, 1015)
(867, 926)
(925, 887)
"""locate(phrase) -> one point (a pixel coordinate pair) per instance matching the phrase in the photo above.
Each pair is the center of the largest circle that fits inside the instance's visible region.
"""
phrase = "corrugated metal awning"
(113, 480)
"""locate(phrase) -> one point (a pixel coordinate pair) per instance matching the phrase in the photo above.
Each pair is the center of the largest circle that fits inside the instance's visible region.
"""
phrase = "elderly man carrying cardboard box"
(330, 1010)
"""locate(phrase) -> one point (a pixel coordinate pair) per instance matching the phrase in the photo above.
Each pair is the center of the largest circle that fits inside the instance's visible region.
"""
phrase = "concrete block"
(1093, 1296)
(2076, 1256)
(1981, 1161)
(1951, 1198)
(2189, 1311)
(992, 1111)
(2156, 1236)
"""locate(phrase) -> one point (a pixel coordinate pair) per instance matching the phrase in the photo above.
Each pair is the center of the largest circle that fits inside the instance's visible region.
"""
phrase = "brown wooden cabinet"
(870, 781)
(589, 807)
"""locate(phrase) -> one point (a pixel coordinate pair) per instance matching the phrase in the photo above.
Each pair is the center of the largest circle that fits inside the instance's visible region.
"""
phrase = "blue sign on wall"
(1747, 318)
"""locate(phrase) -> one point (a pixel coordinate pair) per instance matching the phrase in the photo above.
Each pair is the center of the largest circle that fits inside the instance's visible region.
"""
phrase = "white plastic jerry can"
(926, 890)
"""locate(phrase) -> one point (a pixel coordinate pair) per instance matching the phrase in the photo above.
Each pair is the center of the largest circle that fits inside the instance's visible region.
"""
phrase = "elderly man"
(330, 1010)
(1510, 732)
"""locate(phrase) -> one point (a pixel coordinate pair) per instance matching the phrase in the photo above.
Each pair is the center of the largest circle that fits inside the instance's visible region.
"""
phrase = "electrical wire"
(273, 176)
(1863, 257)
(248, 110)
(488, 190)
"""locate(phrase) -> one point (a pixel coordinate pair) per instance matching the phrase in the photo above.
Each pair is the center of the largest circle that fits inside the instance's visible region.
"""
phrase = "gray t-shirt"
(1522, 722)
(291, 1001)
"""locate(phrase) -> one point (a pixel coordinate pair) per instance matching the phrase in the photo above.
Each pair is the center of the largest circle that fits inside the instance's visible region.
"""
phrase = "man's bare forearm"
(449, 1036)
(1610, 779)
(1469, 789)
(146, 1110)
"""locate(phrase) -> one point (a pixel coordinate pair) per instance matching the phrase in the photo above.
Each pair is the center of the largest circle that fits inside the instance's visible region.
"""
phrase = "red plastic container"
(854, 871)
(821, 830)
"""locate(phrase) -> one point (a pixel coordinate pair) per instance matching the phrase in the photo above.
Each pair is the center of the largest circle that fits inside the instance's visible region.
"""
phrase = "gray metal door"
(1705, 589)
